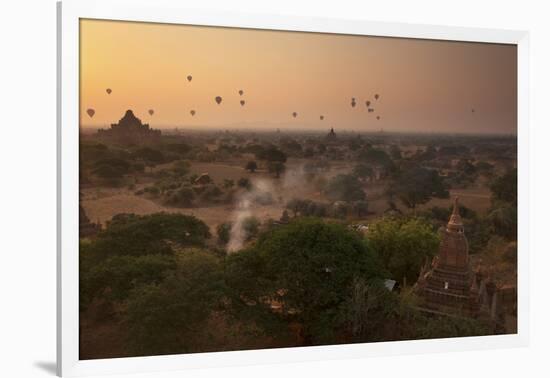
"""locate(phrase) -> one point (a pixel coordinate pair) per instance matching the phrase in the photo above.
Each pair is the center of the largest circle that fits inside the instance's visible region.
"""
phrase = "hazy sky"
(428, 86)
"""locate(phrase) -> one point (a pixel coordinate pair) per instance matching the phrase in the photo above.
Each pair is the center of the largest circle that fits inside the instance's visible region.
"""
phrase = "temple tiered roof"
(130, 130)
(449, 286)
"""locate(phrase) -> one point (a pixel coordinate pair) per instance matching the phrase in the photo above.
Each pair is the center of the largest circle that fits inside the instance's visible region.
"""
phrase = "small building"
(203, 179)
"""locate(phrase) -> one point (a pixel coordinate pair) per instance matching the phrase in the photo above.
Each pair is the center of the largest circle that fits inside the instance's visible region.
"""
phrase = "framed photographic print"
(240, 188)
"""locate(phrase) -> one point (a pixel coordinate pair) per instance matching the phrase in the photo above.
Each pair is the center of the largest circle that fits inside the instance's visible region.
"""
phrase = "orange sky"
(426, 86)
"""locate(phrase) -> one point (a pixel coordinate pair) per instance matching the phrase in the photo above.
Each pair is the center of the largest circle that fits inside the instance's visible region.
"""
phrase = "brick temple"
(449, 286)
(130, 130)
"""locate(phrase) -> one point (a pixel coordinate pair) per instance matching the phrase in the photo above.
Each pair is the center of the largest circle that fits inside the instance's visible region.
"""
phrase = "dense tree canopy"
(272, 154)
(375, 157)
(276, 167)
(308, 266)
(345, 188)
(170, 317)
(129, 234)
(135, 249)
(363, 171)
(416, 186)
(403, 245)
(251, 166)
(505, 187)
(149, 156)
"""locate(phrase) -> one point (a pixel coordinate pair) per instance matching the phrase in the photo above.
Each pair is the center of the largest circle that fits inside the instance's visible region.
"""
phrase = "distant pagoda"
(449, 286)
(130, 130)
(331, 136)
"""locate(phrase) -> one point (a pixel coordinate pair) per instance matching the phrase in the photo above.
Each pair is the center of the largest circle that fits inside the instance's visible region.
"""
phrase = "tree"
(171, 317)
(284, 217)
(307, 208)
(224, 232)
(228, 183)
(295, 205)
(291, 145)
(244, 183)
(149, 156)
(271, 154)
(134, 235)
(466, 166)
(111, 168)
(403, 245)
(345, 188)
(395, 152)
(375, 157)
(182, 197)
(485, 168)
(429, 154)
(363, 171)
(505, 187)
(504, 221)
(500, 260)
(309, 267)
(276, 167)
(120, 274)
(181, 149)
(439, 327)
(360, 208)
(251, 227)
(134, 250)
(181, 168)
(251, 166)
(210, 193)
(418, 185)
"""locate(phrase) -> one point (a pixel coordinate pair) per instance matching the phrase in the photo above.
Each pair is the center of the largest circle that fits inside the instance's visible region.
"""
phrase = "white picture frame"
(171, 11)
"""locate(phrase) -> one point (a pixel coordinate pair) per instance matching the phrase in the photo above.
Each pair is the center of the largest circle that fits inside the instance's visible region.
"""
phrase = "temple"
(129, 130)
(331, 135)
(450, 286)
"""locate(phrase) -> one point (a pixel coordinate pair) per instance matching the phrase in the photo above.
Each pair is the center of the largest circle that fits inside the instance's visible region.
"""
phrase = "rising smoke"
(262, 192)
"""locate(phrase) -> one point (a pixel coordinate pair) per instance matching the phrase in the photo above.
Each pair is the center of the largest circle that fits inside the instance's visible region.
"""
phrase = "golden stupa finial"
(455, 221)
(455, 206)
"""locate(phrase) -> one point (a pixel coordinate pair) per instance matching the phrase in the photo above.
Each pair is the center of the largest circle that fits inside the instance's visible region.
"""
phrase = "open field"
(102, 203)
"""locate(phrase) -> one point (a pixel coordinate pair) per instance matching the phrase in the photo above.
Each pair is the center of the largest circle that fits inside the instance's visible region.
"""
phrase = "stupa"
(331, 135)
(449, 286)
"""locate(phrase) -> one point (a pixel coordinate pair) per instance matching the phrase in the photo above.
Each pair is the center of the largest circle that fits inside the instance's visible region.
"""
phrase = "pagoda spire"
(455, 206)
(455, 221)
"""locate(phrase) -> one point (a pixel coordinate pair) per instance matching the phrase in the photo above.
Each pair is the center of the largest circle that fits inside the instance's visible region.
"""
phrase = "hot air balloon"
(321, 117)
(189, 77)
(151, 112)
(376, 96)
(353, 102)
(218, 99)
(294, 114)
(473, 110)
(378, 117)
(371, 110)
(240, 92)
(108, 90)
(192, 113)
(367, 103)
(90, 112)
(242, 102)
